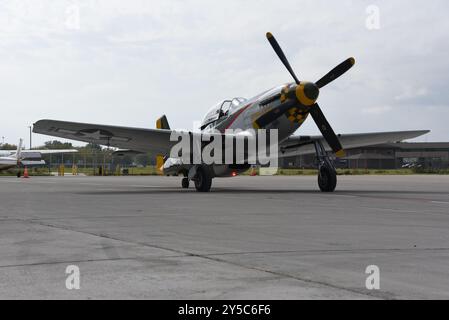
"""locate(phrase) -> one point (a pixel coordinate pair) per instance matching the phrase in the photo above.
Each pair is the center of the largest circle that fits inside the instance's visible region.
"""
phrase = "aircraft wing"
(297, 145)
(129, 140)
(49, 151)
(138, 139)
(158, 140)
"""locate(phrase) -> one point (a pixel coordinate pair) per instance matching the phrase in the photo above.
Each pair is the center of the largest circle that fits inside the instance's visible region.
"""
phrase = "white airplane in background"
(26, 158)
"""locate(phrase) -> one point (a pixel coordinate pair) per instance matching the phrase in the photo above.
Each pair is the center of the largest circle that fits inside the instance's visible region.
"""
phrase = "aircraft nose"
(307, 93)
(311, 91)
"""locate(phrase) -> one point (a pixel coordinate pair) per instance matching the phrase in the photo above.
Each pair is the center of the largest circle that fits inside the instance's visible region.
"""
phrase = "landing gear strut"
(185, 183)
(327, 175)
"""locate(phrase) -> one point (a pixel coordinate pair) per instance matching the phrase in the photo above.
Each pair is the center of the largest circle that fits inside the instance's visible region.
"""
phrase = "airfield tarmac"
(250, 238)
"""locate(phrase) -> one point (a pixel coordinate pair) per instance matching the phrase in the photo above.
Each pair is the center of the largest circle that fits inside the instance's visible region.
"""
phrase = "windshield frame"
(218, 111)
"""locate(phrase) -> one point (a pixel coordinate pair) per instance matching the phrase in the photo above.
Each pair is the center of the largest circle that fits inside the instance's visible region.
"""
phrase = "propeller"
(326, 130)
(335, 73)
(281, 55)
(306, 93)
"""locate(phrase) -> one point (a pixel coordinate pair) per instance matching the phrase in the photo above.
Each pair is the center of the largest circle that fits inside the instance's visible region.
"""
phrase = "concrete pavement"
(250, 238)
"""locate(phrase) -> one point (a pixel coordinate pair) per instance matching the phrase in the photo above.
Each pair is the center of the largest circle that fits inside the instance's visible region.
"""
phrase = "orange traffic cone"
(25, 173)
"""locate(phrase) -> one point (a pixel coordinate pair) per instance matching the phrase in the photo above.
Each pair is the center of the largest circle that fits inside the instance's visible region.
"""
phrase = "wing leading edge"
(139, 139)
(49, 151)
(291, 147)
(135, 140)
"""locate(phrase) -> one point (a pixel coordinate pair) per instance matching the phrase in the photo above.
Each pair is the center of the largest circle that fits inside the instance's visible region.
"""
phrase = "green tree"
(93, 146)
(55, 144)
(8, 146)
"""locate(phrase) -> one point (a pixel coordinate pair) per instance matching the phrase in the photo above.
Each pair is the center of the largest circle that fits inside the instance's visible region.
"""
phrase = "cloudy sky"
(128, 62)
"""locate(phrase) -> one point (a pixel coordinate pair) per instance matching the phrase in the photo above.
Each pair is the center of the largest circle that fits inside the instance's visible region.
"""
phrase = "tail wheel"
(203, 180)
(327, 179)
(185, 183)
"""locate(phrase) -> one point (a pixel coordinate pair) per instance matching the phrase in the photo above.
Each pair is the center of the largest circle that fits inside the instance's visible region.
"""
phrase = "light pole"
(3, 140)
(31, 143)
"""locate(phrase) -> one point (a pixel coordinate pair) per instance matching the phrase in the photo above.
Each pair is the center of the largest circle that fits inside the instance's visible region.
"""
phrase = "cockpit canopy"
(222, 110)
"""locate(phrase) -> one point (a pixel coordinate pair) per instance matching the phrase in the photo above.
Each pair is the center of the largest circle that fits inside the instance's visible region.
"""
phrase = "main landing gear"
(203, 179)
(327, 175)
(201, 176)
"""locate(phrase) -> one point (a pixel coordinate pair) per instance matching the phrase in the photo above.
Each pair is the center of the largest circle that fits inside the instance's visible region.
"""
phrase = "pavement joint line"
(211, 258)
(6, 219)
(355, 251)
(102, 217)
(168, 215)
(421, 200)
(300, 279)
(399, 211)
(73, 262)
(390, 209)
(103, 236)
(88, 184)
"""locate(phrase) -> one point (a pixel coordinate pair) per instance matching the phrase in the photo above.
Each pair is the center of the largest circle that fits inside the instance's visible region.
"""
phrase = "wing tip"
(419, 133)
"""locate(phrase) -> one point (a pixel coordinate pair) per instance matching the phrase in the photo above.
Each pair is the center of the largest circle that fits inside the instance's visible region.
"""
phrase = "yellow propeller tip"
(341, 154)
(269, 35)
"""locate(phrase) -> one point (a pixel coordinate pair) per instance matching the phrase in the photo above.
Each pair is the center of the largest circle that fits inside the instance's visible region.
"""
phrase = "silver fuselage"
(242, 117)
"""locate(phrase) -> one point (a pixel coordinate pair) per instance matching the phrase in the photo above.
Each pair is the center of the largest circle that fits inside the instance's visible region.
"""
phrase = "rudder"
(162, 123)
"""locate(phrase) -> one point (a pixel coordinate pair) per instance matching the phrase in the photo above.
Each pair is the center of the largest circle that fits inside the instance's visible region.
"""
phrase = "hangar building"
(434, 155)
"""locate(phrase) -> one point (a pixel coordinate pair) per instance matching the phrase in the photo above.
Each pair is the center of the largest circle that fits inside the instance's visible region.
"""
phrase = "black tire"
(203, 180)
(19, 174)
(185, 183)
(327, 179)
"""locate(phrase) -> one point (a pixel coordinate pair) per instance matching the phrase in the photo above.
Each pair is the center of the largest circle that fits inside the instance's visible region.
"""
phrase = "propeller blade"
(326, 130)
(281, 55)
(273, 114)
(335, 73)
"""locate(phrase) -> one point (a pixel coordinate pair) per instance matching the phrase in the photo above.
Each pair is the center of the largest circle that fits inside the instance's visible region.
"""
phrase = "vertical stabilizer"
(19, 150)
(162, 123)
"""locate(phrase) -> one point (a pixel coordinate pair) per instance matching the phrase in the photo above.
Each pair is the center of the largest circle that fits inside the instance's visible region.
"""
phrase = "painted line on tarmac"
(440, 202)
(86, 184)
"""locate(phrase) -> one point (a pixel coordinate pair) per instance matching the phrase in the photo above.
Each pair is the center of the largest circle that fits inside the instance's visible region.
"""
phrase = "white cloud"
(411, 93)
(132, 61)
(376, 110)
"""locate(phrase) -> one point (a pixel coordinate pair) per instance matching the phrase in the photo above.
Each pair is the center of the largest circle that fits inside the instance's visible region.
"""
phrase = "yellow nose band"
(302, 98)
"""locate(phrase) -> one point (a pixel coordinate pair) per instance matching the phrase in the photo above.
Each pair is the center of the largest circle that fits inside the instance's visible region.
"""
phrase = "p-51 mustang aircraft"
(26, 158)
(284, 108)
